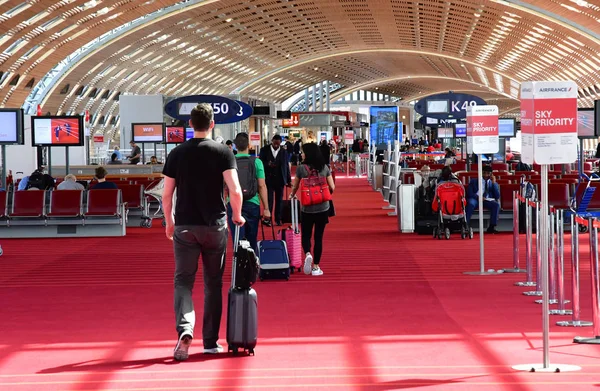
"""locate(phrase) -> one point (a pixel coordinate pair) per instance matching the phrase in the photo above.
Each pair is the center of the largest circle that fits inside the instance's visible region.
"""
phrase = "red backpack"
(314, 189)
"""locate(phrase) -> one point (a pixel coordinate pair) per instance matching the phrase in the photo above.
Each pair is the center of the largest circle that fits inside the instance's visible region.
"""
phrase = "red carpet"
(391, 312)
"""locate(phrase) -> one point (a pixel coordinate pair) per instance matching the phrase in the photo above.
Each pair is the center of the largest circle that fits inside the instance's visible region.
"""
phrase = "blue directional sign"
(245, 112)
(225, 110)
(447, 105)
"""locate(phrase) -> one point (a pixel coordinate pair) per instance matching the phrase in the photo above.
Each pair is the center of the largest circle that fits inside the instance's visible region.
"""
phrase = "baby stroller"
(450, 202)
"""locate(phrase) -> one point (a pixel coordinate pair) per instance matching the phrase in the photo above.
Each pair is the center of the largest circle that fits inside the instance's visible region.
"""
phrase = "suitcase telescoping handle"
(295, 215)
(236, 242)
(262, 228)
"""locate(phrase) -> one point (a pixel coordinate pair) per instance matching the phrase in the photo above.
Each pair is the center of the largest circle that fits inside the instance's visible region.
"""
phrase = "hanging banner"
(549, 122)
(482, 129)
(244, 113)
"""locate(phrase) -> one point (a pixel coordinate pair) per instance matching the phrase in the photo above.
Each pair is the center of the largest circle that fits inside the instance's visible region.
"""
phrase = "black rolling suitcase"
(242, 304)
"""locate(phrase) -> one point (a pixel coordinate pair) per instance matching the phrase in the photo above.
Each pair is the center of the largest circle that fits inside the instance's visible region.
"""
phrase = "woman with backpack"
(313, 174)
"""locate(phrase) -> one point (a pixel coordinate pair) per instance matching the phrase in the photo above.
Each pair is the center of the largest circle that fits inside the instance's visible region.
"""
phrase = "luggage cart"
(155, 190)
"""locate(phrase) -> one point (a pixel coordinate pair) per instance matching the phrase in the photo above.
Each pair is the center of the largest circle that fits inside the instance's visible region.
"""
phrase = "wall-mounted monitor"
(56, 131)
(431, 121)
(438, 106)
(507, 127)
(262, 110)
(189, 133)
(460, 130)
(174, 134)
(445, 133)
(11, 127)
(597, 115)
(586, 123)
(151, 132)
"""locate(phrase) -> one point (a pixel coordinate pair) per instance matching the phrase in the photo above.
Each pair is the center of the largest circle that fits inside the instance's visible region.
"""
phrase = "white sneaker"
(308, 263)
(215, 350)
(181, 349)
(317, 272)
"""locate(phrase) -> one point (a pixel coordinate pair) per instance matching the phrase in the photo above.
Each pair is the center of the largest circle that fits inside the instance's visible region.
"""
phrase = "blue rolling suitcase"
(274, 259)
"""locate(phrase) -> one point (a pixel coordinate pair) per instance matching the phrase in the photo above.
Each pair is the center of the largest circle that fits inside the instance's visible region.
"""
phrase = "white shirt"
(275, 152)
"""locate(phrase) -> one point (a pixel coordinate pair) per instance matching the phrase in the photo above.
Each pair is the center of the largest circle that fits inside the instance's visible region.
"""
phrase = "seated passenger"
(70, 183)
(447, 176)
(153, 160)
(101, 178)
(491, 197)
(38, 180)
(114, 159)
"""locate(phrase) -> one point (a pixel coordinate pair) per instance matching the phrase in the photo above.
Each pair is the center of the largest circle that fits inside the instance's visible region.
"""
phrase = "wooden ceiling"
(271, 49)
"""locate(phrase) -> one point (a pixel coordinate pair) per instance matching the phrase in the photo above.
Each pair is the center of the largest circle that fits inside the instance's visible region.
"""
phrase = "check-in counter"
(113, 170)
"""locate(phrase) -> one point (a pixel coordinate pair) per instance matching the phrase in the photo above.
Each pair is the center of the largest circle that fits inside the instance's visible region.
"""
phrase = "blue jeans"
(250, 212)
(492, 206)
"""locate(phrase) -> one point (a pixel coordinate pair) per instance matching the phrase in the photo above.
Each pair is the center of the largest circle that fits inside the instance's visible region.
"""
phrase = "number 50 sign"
(225, 110)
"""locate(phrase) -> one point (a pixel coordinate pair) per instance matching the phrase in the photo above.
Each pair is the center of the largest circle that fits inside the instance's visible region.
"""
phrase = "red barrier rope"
(520, 198)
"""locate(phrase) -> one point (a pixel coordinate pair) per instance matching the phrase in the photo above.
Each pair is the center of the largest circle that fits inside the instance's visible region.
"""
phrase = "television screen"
(147, 132)
(189, 133)
(445, 133)
(262, 110)
(284, 114)
(384, 124)
(437, 106)
(507, 127)
(460, 130)
(431, 121)
(175, 134)
(11, 126)
(586, 123)
(57, 131)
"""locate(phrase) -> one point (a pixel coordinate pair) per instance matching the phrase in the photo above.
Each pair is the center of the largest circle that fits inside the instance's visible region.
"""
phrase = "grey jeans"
(189, 242)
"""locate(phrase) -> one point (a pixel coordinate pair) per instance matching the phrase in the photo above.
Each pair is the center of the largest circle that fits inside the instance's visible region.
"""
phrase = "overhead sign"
(482, 129)
(98, 138)
(225, 110)
(447, 105)
(349, 137)
(315, 119)
(244, 113)
(292, 122)
(549, 122)
(255, 139)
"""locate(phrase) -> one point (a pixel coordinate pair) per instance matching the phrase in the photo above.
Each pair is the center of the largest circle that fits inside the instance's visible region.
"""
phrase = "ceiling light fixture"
(228, 20)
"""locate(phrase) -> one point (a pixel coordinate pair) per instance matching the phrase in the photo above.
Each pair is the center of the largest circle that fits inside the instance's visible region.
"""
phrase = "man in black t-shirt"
(198, 169)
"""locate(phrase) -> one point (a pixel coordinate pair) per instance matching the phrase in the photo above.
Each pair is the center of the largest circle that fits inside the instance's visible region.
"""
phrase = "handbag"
(314, 189)
(331, 209)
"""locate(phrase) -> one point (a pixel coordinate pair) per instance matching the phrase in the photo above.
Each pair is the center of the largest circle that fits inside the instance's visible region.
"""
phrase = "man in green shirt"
(254, 189)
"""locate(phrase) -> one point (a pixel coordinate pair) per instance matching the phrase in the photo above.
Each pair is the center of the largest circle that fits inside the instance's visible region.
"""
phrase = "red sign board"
(98, 138)
(292, 122)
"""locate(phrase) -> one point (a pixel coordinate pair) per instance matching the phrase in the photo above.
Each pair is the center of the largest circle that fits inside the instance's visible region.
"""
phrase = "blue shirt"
(23, 183)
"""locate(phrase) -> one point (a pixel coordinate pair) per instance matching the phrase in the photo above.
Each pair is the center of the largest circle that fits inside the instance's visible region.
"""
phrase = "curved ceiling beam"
(560, 20)
(349, 90)
(284, 68)
(157, 16)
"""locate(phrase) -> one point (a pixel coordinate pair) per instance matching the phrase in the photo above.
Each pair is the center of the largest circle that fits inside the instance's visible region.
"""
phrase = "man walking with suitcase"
(278, 174)
(197, 169)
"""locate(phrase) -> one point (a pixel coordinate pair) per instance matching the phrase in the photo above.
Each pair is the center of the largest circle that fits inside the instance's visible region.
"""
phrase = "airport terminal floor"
(390, 312)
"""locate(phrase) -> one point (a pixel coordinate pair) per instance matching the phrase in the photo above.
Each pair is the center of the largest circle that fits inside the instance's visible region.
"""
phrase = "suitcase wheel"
(251, 352)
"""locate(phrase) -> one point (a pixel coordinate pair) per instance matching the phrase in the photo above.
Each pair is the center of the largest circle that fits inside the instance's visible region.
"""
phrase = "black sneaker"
(492, 230)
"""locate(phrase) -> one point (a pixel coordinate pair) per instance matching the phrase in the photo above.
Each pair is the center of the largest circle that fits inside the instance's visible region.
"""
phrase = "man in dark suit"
(491, 197)
(277, 174)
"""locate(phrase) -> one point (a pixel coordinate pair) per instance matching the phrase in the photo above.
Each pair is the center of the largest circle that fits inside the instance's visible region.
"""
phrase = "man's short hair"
(228, 142)
(201, 116)
(70, 177)
(242, 141)
(100, 172)
(131, 142)
(276, 138)
(487, 169)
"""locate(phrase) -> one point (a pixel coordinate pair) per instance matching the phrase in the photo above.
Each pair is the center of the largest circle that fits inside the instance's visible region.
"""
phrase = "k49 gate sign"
(549, 122)
(482, 129)
(447, 105)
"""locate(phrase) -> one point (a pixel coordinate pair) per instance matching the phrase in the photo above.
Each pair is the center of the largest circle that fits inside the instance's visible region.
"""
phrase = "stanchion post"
(551, 259)
(594, 269)
(516, 204)
(576, 319)
(538, 255)
(560, 265)
(528, 247)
